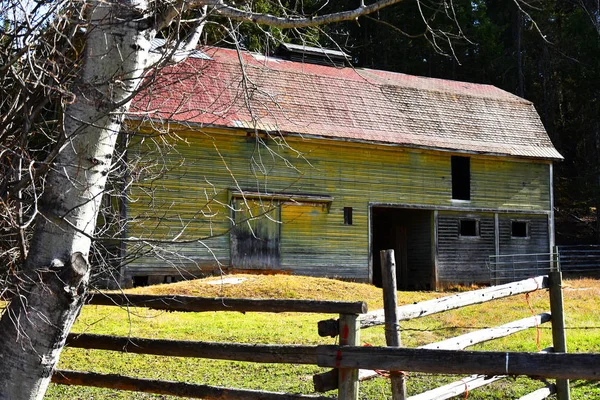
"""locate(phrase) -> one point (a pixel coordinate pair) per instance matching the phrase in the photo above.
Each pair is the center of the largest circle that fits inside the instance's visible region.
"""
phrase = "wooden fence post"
(559, 337)
(392, 327)
(347, 377)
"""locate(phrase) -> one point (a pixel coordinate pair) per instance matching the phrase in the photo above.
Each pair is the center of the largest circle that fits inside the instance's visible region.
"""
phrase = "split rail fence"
(350, 361)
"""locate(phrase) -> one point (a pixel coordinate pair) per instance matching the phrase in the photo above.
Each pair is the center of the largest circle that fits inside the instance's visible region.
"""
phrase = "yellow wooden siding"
(310, 235)
(195, 196)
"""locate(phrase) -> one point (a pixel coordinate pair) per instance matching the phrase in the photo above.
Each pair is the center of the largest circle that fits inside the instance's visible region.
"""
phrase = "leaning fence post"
(349, 336)
(559, 337)
(392, 328)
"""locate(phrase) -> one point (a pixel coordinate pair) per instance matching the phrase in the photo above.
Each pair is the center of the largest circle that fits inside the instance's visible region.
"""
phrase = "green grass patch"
(582, 307)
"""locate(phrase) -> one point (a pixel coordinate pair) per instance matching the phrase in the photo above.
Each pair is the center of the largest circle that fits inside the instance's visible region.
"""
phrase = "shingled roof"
(344, 103)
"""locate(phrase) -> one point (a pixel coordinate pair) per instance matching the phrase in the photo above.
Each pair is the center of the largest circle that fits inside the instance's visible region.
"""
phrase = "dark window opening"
(469, 227)
(347, 215)
(140, 280)
(461, 178)
(519, 229)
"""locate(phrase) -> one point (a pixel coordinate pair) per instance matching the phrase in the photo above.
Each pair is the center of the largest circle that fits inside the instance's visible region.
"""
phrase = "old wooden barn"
(283, 166)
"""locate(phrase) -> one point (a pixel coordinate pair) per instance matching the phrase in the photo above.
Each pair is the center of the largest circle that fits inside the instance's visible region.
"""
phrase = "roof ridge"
(371, 76)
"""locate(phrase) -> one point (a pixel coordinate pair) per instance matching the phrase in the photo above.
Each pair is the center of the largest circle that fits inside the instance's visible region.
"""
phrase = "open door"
(409, 233)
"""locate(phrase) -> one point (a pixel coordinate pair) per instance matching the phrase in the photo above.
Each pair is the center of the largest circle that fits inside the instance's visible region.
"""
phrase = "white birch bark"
(40, 315)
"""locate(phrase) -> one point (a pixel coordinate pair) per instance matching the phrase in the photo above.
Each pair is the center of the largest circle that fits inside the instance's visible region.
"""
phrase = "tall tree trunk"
(520, 74)
(54, 280)
(596, 191)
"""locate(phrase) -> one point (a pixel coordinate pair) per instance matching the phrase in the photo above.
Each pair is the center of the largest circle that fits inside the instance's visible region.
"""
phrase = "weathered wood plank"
(348, 377)
(559, 334)
(327, 381)
(261, 353)
(200, 304)
(456, 388)
(548, 365)
(484, 335)
(470, 339)
(392, 328)
(434, 306)
(171, 388)
(540, 394)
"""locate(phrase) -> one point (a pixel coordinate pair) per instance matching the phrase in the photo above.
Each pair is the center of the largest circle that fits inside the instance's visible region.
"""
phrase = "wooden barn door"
(401, 252)
(255, 235)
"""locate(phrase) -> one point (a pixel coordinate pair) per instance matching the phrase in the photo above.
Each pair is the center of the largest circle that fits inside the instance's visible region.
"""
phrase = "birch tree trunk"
(54, 280)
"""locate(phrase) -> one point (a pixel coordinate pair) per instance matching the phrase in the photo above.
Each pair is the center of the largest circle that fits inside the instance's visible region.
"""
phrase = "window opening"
(347, 215)
(140, 280)
(469, 227)
(461, 178)
(519, 229)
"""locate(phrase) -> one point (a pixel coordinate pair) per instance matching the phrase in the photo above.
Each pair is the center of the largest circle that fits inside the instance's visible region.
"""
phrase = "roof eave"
(558, 157)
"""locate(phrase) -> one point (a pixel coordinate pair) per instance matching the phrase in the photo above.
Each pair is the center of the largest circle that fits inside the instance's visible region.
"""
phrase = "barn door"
(401, 252)
(255, 234)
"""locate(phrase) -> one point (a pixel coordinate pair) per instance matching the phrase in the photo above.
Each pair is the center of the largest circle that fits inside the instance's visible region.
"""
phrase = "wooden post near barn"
(392, 327)
(559, 337)
(348, 377)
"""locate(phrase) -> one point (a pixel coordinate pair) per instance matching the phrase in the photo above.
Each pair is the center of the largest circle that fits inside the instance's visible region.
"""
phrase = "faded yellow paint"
(192, 197)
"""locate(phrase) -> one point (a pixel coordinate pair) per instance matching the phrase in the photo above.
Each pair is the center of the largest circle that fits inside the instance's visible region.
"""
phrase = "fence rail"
(202, 304)
(259, 353)
(429, 307)
(171, 388)
(580, 259)
(546, 365)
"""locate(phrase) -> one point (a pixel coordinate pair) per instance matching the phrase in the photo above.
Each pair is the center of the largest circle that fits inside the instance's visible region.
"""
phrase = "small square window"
(469, 228)
(519, 229)
(347, 215)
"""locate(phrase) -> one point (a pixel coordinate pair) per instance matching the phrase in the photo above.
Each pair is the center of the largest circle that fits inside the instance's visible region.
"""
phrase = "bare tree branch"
(292, 21)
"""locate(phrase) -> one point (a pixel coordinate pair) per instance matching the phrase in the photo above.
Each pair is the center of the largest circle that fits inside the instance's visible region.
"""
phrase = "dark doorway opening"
(409, 233)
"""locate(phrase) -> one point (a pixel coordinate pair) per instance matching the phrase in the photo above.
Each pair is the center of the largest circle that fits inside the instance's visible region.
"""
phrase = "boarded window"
(461, 178)
(519, 229)
(347, 215)
(469, 228)
(255, 235)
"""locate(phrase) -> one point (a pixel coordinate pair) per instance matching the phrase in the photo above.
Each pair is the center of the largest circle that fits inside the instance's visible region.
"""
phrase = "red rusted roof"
(345, 103)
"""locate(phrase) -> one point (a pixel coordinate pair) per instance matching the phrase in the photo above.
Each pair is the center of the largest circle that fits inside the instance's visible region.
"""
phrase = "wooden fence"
(392, 314)
(351, 363)
(259, 353)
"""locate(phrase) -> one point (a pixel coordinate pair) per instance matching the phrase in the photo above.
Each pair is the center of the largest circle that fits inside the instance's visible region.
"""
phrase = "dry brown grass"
(281, 287)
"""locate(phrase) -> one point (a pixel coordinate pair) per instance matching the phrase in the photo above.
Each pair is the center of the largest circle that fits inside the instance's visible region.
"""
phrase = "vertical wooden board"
(349, 328)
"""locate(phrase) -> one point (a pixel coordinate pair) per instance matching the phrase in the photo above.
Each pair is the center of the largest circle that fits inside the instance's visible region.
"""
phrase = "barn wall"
(186, 194)
(537, 240)
(463, 258)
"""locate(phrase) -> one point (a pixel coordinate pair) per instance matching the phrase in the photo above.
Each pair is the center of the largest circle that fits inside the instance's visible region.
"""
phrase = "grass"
(582, 307)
